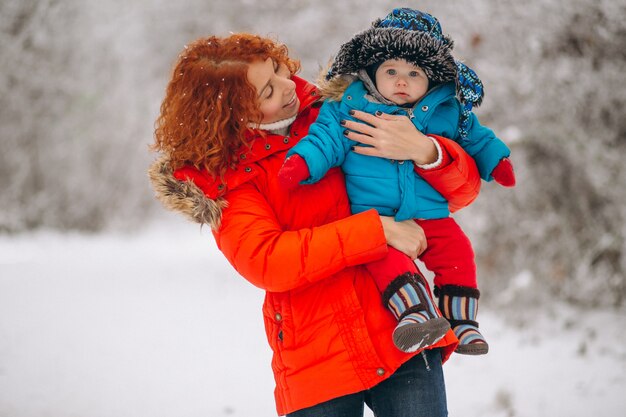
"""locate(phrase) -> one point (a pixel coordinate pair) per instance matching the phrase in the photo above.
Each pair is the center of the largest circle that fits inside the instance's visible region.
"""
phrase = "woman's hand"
(406, 236)
(391, 137)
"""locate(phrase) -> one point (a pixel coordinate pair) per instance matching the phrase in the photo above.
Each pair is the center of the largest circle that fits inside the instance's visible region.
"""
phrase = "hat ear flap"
(469, 88)
(470, 91)
(347, 61)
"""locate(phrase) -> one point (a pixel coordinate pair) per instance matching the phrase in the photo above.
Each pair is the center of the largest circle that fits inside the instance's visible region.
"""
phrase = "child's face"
(401, 82)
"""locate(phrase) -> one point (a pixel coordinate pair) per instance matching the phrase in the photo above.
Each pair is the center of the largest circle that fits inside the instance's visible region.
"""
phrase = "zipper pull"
(410, 113)
(426, 361)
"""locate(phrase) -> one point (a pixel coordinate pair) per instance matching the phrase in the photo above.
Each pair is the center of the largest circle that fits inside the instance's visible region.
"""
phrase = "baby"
(403, 65)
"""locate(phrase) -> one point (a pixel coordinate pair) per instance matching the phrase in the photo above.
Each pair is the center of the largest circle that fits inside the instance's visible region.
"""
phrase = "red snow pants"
(449, 256)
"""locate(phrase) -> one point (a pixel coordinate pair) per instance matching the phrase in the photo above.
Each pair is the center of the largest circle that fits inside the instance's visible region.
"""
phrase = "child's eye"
(391, 72)
(414, 74)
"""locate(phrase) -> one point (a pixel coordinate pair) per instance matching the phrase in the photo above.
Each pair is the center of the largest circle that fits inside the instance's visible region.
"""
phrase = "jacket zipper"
(410, 113)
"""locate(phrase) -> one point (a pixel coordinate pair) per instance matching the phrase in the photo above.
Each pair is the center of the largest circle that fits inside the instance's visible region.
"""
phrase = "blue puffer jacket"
(393, 187)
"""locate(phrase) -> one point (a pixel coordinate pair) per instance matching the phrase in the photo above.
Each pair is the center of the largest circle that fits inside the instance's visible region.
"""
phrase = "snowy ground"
(157, 324)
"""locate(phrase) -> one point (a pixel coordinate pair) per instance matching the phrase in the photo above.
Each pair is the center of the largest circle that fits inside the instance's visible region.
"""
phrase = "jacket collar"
(307, 92)
(357, 96)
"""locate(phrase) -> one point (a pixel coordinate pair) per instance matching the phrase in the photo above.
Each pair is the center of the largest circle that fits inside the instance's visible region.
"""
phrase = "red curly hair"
(209, 102)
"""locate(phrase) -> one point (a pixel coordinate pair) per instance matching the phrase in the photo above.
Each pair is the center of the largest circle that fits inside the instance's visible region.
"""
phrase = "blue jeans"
(414, 390)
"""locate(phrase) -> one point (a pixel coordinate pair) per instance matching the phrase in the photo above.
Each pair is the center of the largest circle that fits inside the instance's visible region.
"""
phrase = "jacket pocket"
(277, 319)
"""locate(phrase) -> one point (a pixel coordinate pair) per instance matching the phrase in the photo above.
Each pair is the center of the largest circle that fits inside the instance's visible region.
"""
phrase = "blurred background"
(81, 83)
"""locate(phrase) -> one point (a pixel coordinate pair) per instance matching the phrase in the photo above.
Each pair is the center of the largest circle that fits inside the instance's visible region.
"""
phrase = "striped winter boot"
(420, 323)
(460, 306)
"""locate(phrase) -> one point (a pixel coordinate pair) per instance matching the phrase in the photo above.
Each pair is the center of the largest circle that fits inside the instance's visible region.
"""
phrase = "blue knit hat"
(417, 38)
(411, 19)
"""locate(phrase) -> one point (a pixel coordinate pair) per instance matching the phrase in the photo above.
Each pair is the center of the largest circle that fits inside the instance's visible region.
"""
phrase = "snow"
(158, 324)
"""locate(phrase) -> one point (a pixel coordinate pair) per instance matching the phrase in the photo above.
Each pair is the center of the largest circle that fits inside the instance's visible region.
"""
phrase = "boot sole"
(412, 337)
(473, 349)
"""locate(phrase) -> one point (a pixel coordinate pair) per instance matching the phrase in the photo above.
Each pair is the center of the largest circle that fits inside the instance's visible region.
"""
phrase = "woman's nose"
(289, 87)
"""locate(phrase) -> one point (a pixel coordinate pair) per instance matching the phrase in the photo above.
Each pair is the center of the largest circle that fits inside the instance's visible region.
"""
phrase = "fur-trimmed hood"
(333, 89)
(184, 196)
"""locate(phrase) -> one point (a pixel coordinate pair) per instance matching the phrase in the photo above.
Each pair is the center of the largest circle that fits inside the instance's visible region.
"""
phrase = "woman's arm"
(255, 244)
(395, 137)
(456, 178)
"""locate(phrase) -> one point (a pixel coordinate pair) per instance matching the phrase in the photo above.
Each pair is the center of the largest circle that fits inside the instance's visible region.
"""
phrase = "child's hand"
(293, 171)
(503, 173)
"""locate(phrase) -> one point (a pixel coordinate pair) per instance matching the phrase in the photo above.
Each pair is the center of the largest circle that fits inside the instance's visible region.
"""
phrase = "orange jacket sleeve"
(457, 178)
(276, 260)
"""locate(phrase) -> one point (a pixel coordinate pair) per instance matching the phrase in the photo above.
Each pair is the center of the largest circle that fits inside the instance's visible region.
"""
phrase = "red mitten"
(293, 171)
(503, 173)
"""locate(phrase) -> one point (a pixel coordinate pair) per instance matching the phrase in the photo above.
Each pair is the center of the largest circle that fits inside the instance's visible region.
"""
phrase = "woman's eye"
(271, 92)
(391, 71)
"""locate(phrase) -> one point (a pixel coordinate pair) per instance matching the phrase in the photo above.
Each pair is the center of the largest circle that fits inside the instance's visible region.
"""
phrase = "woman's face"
(276, 92)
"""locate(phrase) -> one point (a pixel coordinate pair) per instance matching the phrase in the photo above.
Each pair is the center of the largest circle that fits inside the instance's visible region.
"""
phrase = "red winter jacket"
(325, 322)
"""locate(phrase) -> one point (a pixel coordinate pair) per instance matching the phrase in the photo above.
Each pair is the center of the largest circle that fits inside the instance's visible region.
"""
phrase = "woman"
(232, 109)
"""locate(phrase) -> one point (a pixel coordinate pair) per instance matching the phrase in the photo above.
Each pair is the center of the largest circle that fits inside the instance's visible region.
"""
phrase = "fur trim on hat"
(184, 196)
(374, 45)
